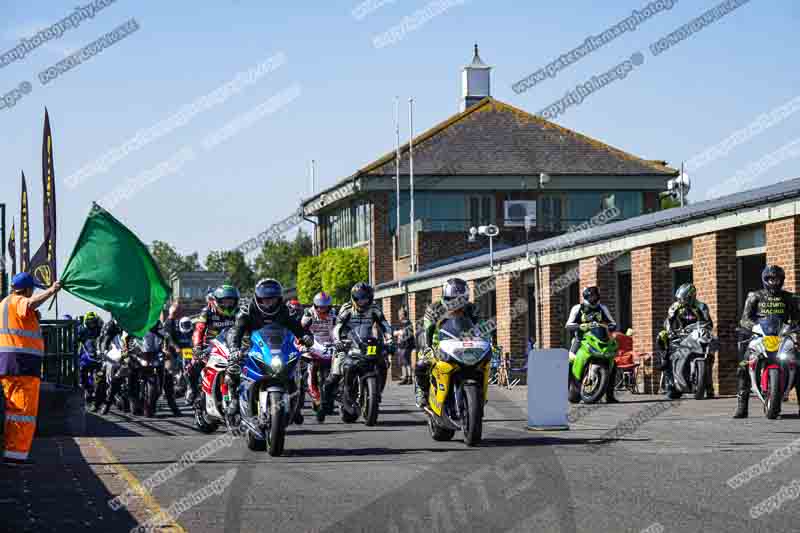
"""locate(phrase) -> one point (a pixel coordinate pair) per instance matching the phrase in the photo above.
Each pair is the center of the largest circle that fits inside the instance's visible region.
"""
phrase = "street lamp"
(490, 231)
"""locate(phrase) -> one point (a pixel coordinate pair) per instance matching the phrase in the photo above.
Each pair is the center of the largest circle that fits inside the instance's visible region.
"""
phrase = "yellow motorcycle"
(459, 382)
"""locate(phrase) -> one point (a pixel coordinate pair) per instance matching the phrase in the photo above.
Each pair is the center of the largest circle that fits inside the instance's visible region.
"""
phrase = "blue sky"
(672, 107)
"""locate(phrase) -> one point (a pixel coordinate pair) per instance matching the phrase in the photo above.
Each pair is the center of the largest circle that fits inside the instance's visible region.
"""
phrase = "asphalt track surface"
(641, 465)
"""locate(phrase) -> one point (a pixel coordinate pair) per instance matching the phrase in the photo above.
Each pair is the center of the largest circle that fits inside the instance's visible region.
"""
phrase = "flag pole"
(397, 163)
(411, 181)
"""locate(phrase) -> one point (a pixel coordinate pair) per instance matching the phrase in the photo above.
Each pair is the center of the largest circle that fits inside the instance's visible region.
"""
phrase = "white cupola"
(475, 82)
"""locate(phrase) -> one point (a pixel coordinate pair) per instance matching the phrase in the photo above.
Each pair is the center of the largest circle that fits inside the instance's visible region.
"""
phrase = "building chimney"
(475, 82)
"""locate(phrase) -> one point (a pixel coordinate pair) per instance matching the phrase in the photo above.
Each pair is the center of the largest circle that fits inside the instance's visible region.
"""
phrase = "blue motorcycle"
(90, 363)
(268, 388)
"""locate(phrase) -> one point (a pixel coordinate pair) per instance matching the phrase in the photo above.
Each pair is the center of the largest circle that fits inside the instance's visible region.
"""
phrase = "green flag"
(112, 269)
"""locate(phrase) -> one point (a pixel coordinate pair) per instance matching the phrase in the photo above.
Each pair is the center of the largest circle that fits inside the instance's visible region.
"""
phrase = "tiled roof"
(494, 138)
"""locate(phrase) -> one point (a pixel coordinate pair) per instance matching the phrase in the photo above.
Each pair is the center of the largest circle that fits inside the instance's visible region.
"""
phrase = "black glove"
(340, 346)
(308, 341)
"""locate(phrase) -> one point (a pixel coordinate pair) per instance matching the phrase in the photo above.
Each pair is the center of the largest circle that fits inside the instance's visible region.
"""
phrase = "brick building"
(720, 245)
(490, 164)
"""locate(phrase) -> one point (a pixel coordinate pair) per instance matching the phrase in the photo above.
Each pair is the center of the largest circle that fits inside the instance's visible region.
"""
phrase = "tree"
(279, 258)
(309, 278)
(239, 273)
(169, 261)
(341, 269)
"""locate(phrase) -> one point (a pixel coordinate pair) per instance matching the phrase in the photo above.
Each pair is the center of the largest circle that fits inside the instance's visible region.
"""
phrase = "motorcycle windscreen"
(456, 327)
(771, 326)
(365, 339)
(271, 341)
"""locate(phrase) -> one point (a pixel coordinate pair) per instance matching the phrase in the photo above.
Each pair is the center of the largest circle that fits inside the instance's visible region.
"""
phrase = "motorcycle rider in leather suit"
(266, 307)
(360, 310)
(581, 317)
(455, 300)
(770, 301)
(89, 331)
(218, 315)
(685, 311)
(320, 320)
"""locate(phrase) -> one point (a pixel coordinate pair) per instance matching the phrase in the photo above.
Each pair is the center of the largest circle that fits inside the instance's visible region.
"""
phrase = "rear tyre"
(473, 424)
(201, 418)
(438, 433)
(594, 385)
(700, 379)
(277, 431)
(574, 393)
(370, 401)
(773, 406)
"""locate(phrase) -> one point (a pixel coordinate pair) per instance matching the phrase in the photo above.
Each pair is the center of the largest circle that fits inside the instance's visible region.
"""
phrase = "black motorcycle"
(362, 376)
(691, 349)
(147, 369)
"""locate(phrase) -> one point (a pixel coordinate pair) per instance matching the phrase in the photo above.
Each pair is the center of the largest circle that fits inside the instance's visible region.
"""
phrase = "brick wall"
(783, 248)
(417, 302)
(714, 269)
(554, 314)
(592, 272)
(511, 318)
(391, 310)
(651, 298)
(437, 245)
(380, 245)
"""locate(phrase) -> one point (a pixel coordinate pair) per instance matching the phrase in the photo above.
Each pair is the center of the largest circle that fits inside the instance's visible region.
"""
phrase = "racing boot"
(612, 384)
(742, 392)
(329, 393)
(106, 408)
(421, 389)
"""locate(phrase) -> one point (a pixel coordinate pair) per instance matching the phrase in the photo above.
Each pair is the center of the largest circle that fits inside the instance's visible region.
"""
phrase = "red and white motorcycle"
(212, 402)
(318, 360)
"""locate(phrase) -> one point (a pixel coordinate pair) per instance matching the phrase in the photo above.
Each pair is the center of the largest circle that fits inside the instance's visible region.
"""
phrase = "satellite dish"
(491, 231)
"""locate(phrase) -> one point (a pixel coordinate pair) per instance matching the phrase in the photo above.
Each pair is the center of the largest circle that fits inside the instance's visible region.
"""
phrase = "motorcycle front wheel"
(773, 405)
(276, 437)
(369, 401)
(700, 379)
(594, 383)
(473, 421)
(201, 418)
(150, 397)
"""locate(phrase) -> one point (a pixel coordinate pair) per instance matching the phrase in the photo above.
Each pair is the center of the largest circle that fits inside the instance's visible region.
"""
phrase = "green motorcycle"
(591, 369)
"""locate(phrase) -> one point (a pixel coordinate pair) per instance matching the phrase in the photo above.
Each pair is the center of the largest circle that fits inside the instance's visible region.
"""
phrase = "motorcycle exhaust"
(442, 421)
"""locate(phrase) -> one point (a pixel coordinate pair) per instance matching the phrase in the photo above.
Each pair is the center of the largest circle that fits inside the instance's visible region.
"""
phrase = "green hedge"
(335, 272)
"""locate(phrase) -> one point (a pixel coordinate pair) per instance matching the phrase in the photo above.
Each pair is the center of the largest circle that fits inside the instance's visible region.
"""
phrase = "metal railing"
(60, 362)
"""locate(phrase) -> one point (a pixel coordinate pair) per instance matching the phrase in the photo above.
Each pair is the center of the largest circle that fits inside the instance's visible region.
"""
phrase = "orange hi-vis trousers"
(21, 408)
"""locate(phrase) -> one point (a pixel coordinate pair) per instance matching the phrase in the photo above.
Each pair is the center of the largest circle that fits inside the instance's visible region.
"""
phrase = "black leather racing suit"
(348, 318)
(250, 319)
(83, 336)
(678, 317)
(763, 304)
(110, 330)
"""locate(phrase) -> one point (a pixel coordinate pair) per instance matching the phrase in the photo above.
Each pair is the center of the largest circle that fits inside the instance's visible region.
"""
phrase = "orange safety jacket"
(20, 339)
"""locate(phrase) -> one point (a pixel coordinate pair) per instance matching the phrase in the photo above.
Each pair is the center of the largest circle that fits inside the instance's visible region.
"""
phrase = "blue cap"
(23, 281)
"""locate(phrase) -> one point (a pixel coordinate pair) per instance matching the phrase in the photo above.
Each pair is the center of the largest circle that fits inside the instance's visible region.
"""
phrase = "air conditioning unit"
(517, 211)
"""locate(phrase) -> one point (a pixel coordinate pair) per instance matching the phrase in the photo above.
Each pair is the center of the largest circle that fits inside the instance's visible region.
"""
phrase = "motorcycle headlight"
(277, 363)
(772, 343)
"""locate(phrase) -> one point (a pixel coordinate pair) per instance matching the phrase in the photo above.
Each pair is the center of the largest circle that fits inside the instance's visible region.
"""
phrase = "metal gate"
(60, 361)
